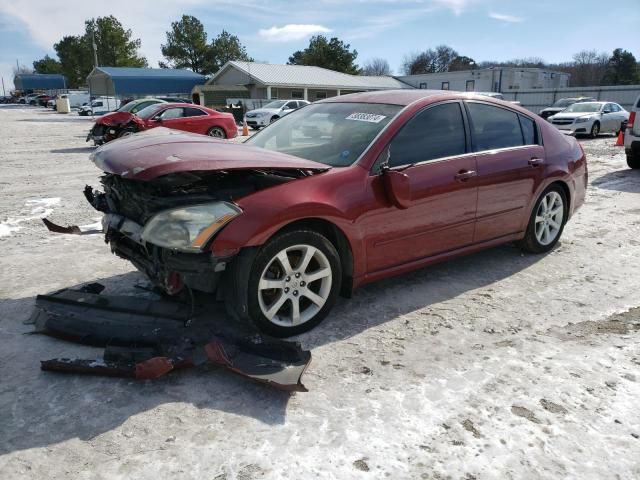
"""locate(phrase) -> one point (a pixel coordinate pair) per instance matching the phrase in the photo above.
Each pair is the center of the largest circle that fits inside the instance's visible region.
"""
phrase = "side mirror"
(158, 119)
(398, 188)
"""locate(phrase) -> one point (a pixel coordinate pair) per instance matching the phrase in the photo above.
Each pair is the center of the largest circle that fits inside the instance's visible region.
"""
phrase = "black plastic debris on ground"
(145, 339)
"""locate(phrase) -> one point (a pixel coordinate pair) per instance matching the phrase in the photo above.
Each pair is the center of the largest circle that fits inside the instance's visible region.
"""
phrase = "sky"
(273, 29)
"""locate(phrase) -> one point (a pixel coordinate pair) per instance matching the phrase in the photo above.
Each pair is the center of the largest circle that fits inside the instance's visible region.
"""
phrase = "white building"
(494, 79)
(269, 81)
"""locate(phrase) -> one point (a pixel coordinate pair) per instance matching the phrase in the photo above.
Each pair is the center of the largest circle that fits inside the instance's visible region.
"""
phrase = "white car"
(262, 117)
(27, 98)
(632, 136)
(99, 106)
(590, 118)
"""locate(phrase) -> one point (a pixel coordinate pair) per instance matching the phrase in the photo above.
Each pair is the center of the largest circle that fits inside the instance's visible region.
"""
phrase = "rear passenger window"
(436, 132)
(193, 112)
(493, 127)
(528, 130)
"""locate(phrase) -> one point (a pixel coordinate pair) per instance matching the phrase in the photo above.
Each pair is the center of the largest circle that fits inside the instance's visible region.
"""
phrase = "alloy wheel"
(549, 218)
(295, 285)
(216, 132)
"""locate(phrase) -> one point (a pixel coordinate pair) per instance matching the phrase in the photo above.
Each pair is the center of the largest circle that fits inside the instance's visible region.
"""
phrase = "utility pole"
(4, 94)
(95, 48)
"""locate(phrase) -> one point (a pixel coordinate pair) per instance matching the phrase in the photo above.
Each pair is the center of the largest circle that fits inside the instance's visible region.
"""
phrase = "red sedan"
(178, 116)
(340, 193)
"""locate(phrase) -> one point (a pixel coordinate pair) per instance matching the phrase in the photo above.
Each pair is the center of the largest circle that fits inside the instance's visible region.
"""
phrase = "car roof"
(393, 97)
(176, 104)
(148, 99)
(407, 97)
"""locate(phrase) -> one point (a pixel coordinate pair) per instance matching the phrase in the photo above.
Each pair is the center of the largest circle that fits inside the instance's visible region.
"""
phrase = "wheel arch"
(336, 236)
(567, 192)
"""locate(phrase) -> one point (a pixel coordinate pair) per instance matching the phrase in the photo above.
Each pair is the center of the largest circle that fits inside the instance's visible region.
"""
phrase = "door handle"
(534, 161)
(464, 175)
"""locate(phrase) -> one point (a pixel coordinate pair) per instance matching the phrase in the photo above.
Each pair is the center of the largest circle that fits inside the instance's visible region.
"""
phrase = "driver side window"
(434, 133)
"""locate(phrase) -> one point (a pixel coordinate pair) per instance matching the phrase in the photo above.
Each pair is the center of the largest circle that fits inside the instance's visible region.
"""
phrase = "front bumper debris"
(89, 229)
(145, 339)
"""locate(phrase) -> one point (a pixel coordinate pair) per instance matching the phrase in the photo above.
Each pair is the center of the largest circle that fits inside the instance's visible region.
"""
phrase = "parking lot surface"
(496, 365)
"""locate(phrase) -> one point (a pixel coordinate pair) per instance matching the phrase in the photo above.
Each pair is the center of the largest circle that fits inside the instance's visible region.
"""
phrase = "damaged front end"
(102, 133)
(164, 226)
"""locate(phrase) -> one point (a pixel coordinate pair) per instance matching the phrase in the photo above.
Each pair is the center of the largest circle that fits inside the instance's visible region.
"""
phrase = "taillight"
(632, 118)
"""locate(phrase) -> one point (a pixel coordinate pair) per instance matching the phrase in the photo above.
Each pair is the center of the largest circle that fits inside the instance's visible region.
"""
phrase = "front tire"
(595, 130)
(273, 119)
(293, 283)
(547, 221)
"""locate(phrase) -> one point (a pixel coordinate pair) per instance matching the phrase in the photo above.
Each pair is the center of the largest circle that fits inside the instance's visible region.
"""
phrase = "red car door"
(432, 149)
(197, 120)
(173, 117)
(510, 167)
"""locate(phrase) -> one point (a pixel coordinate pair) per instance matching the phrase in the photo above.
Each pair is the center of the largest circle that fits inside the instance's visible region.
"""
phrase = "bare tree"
(527, 62)
(435, 60)
(589, 68)
(22, 69)
(376, 66)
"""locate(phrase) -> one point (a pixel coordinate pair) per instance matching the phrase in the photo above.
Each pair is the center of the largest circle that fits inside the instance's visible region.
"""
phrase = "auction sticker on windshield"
(366, 117)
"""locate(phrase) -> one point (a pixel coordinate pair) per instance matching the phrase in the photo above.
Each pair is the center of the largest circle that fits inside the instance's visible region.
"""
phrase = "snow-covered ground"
(497, 365)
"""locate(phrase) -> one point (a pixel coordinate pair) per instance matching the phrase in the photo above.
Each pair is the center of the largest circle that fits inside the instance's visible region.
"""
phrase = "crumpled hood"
(115, 118)
(161, 151)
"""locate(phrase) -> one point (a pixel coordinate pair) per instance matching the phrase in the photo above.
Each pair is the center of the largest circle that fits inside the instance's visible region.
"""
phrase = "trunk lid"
(162, 151)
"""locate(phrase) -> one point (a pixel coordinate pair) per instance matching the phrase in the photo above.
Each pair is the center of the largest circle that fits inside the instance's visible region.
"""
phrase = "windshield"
(127, 107)
(586, 107)
(150, 111)
(564, 102)
(276, 104)
(335, 134)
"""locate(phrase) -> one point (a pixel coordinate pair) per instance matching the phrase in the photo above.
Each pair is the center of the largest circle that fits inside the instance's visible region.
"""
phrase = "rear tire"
(547, 221)
(293, 282)
(633, 161)
(216, 132)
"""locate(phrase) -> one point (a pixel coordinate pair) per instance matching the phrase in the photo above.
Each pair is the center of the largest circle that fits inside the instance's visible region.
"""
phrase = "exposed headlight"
(188, 228)
(582, 119)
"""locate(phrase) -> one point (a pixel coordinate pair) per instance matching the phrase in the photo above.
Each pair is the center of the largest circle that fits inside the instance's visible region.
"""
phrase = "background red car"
(178, 116)
(187, 117)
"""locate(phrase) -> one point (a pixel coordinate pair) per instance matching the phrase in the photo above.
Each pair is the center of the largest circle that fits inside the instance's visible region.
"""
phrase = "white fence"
(537, 99)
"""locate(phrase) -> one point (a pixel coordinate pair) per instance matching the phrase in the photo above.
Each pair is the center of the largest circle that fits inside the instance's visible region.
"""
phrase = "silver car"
(261, 117)
(591, 118)
(632, 136)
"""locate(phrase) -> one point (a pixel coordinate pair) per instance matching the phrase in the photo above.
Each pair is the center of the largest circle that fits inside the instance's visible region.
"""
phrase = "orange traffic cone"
(620, 140)
(245, 128)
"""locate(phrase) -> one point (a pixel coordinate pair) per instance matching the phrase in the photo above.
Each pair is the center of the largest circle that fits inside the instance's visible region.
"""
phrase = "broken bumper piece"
(73, 229)
(145, 339)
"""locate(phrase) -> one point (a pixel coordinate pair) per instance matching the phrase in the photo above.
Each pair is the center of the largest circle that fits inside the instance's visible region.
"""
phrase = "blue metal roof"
(39, 81)
(127, 81)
